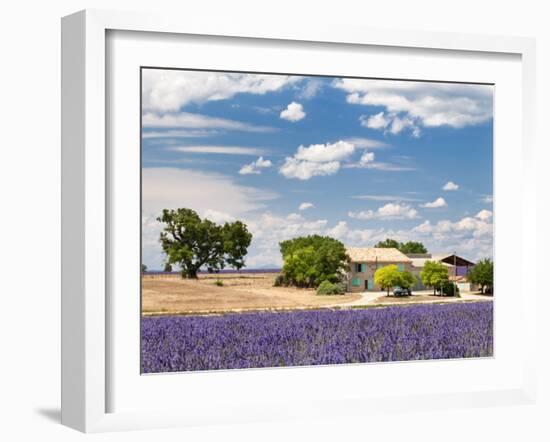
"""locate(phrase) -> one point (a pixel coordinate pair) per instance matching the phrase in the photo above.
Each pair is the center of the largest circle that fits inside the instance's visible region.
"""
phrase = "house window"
(355, 282)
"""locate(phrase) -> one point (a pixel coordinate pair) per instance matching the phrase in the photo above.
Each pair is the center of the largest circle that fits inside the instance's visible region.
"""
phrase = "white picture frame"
(86, 210)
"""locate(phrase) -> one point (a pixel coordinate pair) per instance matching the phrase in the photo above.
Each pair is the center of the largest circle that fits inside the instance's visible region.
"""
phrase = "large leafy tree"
(194, 243)
(404, 247)
(434, 274)
(310, 260)
(482, 274)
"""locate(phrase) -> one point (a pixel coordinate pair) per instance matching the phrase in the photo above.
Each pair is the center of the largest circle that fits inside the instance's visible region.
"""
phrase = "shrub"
(329, 288)
(449, 288)
(280, 281)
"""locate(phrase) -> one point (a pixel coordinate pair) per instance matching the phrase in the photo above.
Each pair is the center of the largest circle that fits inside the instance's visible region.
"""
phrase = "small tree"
(387, 277)
(408, 280)
(482, 274)
(434, 274)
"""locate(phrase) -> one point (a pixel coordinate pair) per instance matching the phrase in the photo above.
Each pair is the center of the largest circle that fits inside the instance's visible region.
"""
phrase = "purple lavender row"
(250, 340)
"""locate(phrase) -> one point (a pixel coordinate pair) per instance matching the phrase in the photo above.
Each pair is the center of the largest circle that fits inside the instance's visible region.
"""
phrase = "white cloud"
(293, 112)
(305, 206)
(326, 159)
(366, 143)
(178, 133)
(400, 123)
(389, 123)
(388, 211)
(304, 170)
(339, 231)
(366, 158)
(186, 120)
(467, 226)
(222, 150)
(255, 167)
(170, 90)
(320, 153)
(316, 160)
(365, 162)
(377, 121)
(310, 89)
(389, 167)
(450, 186)
(438, 202)
(217, 216)
(484, 215)
(413, 104)
(384, 198)
(171, 188)
(487, 199)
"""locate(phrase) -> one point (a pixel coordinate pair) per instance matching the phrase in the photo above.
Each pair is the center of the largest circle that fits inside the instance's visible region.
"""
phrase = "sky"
(359, 160)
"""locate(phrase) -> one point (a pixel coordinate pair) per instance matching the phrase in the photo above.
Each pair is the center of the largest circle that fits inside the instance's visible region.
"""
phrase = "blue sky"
(357, 159)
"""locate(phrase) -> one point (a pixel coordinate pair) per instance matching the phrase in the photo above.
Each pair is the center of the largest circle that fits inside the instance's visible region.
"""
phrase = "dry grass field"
(240, 292)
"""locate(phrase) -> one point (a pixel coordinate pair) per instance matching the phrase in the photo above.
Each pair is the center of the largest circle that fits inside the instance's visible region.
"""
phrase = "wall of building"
(368, 274)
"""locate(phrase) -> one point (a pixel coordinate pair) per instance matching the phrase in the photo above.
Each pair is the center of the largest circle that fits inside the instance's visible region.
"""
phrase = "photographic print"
(303, 220)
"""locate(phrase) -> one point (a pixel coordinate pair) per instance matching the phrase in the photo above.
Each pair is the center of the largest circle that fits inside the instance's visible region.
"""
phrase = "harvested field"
(239, 292)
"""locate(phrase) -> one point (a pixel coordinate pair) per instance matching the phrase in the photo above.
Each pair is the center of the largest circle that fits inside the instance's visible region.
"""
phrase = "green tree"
(404, 247)
(193, 243)
(388, 277)
(482, 274)
(299, 267)
(434, 274)
(412, 247)
(310, 260)
(388, 243)
(408, 280)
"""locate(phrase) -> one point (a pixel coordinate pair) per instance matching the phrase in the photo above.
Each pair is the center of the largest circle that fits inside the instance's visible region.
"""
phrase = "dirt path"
(421, 297)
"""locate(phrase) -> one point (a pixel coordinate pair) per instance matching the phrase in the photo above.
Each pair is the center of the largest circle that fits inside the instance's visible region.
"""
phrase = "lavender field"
(185, 343)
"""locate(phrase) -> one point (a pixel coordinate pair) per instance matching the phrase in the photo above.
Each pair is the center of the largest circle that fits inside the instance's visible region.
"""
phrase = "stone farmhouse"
(366, 260)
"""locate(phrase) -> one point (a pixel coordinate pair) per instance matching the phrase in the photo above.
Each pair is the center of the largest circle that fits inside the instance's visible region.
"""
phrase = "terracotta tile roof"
(373, 254)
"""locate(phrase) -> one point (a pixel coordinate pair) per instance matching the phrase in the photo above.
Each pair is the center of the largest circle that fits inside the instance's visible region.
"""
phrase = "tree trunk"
(188, 273)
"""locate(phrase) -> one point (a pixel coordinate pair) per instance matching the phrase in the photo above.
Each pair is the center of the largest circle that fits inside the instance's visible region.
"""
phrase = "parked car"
(399, 291)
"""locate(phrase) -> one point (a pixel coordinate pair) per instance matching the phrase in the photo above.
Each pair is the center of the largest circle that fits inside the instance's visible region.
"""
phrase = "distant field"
(169, 294)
